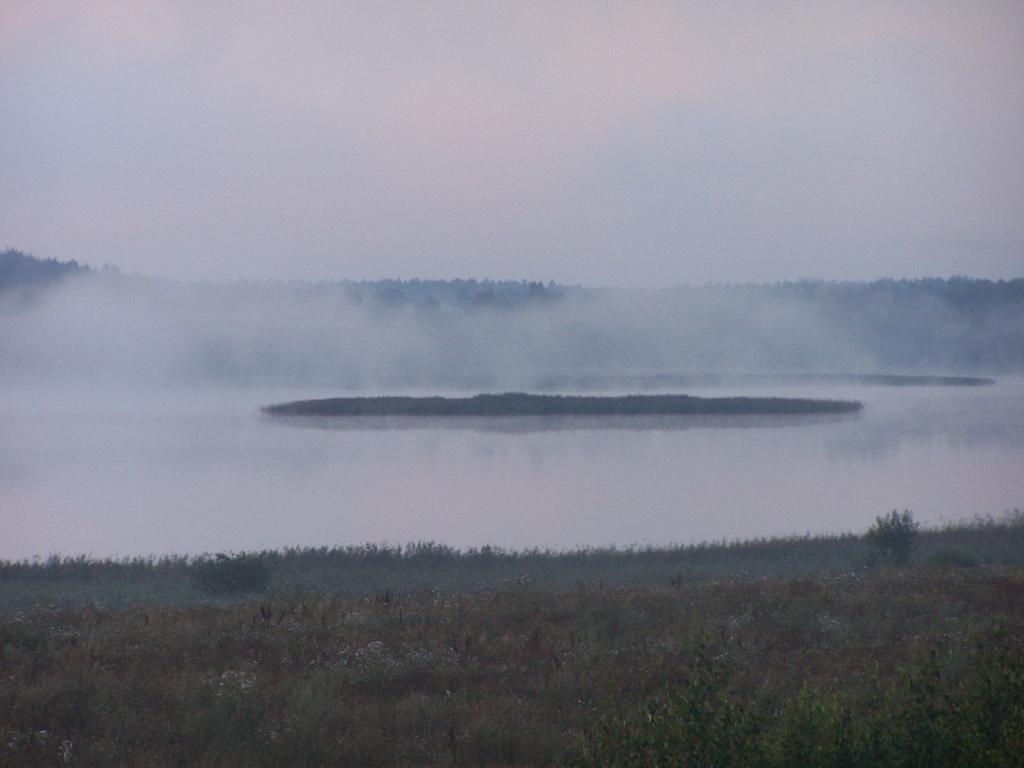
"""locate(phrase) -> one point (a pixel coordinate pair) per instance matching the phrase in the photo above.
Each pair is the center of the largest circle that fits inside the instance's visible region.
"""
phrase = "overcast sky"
(624, 143)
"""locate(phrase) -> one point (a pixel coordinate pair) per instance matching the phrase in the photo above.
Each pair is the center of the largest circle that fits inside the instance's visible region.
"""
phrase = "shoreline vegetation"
(522, 404)
(901, 647)
(685, 380)
(371, 570)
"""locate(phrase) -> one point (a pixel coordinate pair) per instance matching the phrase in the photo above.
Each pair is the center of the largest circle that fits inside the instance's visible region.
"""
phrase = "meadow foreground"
(877, 666)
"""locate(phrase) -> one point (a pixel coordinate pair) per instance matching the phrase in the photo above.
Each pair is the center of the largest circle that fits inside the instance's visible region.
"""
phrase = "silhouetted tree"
(894, 536)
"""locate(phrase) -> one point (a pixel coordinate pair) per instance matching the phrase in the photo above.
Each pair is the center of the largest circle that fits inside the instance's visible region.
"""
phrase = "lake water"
(188, 472)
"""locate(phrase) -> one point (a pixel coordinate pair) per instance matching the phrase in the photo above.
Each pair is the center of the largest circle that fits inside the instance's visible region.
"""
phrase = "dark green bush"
(231, 574)
(939, 712)
(894, 536)
(697, 724)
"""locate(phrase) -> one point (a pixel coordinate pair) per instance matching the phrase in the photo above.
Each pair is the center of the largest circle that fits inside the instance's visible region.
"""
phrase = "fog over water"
(498, 382)
(131, 421)
(188, 471)
(114, 332)
(622, 193)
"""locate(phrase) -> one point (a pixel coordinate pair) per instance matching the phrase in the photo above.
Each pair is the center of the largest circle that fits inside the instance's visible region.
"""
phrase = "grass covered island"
(522, 404)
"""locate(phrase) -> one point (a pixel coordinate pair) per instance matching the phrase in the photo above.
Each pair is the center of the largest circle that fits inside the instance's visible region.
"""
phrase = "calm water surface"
(193, 472)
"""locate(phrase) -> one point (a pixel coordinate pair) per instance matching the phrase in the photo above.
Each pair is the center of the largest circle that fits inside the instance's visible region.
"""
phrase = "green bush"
(894, 536)
(231, 574)
(696, 724)
(933, 715)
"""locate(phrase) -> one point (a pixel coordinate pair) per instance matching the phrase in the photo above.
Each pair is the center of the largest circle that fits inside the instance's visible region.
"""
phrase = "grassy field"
(789, 652)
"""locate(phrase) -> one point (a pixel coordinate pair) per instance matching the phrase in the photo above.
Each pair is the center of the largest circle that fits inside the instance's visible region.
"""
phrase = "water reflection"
(525, 424)
(205, 472)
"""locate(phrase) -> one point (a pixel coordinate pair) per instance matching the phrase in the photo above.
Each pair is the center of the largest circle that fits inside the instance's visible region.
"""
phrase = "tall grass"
(374, 569)
(519, 676)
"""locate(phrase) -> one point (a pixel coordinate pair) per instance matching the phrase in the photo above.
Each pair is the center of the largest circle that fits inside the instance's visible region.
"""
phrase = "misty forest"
(489, 335)
(489, 385)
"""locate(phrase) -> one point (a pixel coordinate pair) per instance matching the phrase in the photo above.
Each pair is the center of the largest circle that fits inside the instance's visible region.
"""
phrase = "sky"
(600, 143)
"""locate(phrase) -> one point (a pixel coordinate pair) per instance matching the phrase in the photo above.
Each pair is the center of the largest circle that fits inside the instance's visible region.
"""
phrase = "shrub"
(231, 574)
(894, 536)
(699, 723)
(932, 714)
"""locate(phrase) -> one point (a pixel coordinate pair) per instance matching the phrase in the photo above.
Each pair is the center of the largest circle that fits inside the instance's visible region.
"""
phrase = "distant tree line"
(466, 294)
(930, 325)
(19, 269)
